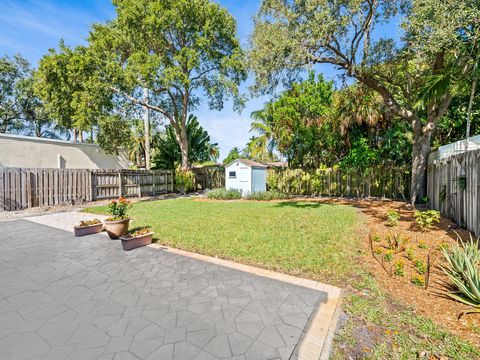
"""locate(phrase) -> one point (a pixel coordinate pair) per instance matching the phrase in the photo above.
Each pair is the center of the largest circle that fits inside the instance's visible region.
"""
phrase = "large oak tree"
(416, 77)
(177, 51)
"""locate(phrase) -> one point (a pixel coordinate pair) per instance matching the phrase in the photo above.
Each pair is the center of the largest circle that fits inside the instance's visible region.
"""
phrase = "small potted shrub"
(142, 237)
(117, 224)
(88, 227)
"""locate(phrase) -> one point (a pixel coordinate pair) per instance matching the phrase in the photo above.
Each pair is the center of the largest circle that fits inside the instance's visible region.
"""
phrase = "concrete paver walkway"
(63, 297)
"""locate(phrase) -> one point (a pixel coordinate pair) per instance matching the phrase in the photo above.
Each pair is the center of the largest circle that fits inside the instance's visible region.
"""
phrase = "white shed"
(246, 175)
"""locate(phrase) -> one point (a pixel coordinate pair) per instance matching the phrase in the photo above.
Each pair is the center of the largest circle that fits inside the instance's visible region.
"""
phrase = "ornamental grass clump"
(118, 209)
(463, 270)
(267, 195)
(224, 194)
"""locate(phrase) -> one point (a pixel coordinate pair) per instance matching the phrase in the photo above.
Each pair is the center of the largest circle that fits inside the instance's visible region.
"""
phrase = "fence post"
(153, 182)
(120, 187)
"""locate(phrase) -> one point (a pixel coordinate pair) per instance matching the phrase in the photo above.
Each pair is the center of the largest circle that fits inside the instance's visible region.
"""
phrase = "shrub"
(426, 219)
(399, 268)
(185, 180)
(224, 194)
(422, 245)
(463, 270)
(376, 238)
(392, 218)
(418, 280)
(396, 242)
(420, 266)
(118, 208)
(267, 195)
(409, 253)
(388, 255)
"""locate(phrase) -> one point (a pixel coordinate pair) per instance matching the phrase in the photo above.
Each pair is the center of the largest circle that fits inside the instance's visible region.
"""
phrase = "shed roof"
(248, 162)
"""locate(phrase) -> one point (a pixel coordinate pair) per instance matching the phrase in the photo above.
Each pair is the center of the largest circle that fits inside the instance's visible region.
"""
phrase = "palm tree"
(262, 147)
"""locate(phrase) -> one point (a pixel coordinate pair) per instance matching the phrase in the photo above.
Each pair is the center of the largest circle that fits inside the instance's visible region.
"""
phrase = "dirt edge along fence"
(23, 188)
(453, 188)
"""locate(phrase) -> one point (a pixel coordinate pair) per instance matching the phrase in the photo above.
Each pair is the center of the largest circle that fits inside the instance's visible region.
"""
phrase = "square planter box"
(135, 242)
(88, 230)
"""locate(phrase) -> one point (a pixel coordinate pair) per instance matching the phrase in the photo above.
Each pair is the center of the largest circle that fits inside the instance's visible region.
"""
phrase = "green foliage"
(399, 268)
(409, 253)
(297, 124)
(463, 270)
(167, 153)
(420, 266)
(184, 180)
(118, 208)
(388, 255)
(113, 133)
(419, 71)
(14, 72)
(262, 146)
(378, 250)
(267, 195)
(426, 219)
(224, 194)
(418, 280)
(392, 218)
(233, 155)
(422, 245)
(396, 242)
(376, 238)
(176, 50)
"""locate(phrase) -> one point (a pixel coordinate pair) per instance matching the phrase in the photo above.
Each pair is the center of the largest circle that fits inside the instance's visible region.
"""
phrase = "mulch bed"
(430, 302)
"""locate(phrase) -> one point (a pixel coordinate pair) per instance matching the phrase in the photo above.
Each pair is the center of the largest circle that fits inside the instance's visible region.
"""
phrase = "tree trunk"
(184, 147)
(146, 121)
(421, 150)
(75, 135)
(80, 135)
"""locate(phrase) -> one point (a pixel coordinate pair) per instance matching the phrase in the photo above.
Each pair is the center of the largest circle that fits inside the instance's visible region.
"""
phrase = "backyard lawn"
(318, 240)
(302, 238)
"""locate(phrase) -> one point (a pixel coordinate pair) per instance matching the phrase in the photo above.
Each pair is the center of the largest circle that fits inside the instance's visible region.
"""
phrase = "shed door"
(244, 179)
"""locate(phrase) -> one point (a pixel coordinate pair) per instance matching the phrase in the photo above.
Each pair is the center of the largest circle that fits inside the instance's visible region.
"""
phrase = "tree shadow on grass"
(300, 204)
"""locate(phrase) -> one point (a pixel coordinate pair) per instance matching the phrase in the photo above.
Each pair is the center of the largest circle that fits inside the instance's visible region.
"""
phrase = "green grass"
(318, 241)
(308, 239)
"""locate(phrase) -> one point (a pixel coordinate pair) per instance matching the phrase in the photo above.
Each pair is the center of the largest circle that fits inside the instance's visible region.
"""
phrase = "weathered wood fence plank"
(453, 188)
(25, 188)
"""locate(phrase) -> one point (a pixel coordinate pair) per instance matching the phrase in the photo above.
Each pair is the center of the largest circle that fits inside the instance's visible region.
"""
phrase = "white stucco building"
(31, 152)
(246, 175)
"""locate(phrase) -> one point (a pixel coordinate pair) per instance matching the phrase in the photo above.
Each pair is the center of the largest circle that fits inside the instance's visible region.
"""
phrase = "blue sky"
(31, 27)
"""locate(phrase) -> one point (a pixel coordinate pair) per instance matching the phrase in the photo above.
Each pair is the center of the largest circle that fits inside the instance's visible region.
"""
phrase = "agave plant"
(463, 270)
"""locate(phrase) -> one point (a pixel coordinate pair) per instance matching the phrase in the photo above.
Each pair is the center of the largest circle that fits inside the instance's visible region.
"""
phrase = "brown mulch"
(431, 302)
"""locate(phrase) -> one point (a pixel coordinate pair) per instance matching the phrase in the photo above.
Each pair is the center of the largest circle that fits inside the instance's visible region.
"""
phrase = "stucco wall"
(30, 152)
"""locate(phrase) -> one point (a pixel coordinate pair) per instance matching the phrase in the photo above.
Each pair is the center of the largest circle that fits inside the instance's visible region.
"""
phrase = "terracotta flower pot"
(116, 228)
(130, 243)
(88, 230)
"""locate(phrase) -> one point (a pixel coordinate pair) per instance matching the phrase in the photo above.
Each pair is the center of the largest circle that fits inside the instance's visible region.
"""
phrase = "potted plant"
(142, 237)
(88, 227)
(117, 224)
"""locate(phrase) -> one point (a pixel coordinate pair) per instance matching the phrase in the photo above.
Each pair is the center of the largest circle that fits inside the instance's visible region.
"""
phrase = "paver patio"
(63, 297)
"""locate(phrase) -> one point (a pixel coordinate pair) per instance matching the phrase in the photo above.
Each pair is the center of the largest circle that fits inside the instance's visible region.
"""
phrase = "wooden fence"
(453, 188)
(22, 188)
(209, 177)
(393, 183)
